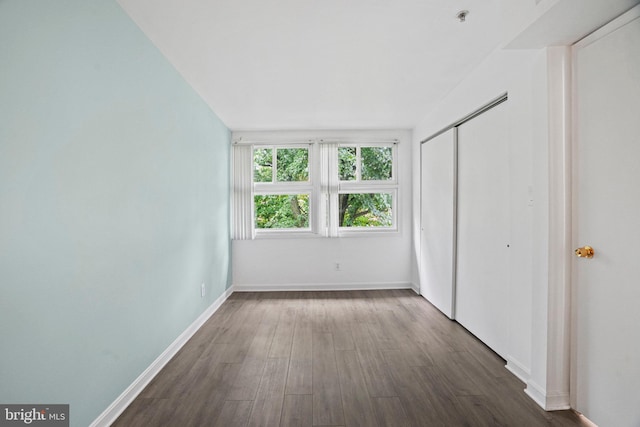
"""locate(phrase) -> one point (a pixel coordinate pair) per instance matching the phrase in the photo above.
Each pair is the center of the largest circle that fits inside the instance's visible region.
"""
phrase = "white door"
(606, 216)
(437, 201)
(483, 228)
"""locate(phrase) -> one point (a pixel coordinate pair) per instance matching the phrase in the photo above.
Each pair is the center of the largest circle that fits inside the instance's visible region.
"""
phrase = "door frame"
(551, 383)
(548, 383)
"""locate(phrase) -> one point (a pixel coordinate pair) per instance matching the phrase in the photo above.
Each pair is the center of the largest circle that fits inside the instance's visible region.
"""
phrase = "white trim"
(558, 402)
(550, 402)
(285, 233)
(612, 26)
(518, 369)
(121, 403)
(536, 393)
(366, 232)
(309, 141)
(559, 237)
(359, 141)
(249, 141)
(364, 286)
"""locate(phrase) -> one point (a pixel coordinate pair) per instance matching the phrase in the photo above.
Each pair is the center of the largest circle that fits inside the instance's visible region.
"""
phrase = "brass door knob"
(585, 252)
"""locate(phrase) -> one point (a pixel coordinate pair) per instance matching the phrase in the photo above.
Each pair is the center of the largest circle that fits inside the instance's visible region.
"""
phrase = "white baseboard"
(536, 392)
(124, 400)
(518, 369)
(366, 286)
(547, 401)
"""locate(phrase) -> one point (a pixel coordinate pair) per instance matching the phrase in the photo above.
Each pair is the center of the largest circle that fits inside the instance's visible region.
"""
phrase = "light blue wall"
(114, 204)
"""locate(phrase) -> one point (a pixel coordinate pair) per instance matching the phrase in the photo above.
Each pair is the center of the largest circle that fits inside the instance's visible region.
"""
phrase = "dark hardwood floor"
(357, 358)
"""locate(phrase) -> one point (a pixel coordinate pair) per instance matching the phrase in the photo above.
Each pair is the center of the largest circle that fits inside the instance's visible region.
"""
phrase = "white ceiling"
(320, 64)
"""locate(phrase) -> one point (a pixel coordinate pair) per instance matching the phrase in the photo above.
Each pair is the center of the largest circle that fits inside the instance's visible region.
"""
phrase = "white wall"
(523, 75)
(372, 261)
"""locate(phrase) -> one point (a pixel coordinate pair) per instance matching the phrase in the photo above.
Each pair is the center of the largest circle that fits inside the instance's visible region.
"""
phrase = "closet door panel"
(483, 228)
(437, 221)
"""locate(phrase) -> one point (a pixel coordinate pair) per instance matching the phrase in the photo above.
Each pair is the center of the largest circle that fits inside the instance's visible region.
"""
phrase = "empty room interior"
(305, 213)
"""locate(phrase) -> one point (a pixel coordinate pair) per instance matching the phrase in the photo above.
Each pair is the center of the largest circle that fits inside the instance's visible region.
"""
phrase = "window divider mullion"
(274, 168)
(358, 164)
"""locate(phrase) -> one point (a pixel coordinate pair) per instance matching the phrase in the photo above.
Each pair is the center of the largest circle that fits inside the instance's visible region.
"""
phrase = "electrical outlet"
(202, 290)
(337, 266)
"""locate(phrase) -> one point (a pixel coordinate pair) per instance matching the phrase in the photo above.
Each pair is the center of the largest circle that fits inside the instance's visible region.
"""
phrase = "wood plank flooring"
(356, 358)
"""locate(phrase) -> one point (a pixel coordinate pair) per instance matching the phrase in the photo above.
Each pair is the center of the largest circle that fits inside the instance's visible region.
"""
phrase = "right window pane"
(376, 163)
(365, 210)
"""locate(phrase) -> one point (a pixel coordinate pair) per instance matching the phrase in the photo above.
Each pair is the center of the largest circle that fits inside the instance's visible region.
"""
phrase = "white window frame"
(323, 188)
(285, 188)
(360, 186)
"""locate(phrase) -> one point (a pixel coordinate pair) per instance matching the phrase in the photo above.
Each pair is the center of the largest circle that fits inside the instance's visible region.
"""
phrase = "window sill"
(367, 232)
(342, 233)
(285, 234)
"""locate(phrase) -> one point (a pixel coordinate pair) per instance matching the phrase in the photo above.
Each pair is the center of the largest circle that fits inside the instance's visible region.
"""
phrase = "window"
(282, 188)
(367, 187)
(315, 189)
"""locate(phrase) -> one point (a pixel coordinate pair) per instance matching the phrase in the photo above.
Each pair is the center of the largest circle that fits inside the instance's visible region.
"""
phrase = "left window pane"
(281, 211)
(263, 165)
(292, 164)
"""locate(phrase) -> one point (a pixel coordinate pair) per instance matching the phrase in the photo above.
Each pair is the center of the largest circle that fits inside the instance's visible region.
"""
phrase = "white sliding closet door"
(437, 221)
(483, 228)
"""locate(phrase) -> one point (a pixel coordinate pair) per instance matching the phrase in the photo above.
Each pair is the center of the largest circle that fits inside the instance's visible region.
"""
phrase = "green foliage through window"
(262, 165)
(282, 211)
(347, 163)
(365, 210)
(366, 194)
(376, 163)
(293, 164)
